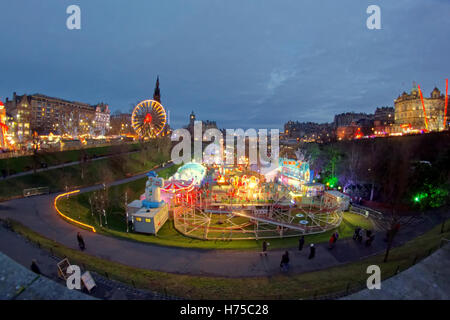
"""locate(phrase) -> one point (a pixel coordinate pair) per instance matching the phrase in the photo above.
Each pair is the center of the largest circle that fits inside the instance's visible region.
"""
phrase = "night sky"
(243, 63)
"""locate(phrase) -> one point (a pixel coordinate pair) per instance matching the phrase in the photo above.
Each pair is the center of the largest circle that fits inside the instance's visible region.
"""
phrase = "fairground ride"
(246, 207)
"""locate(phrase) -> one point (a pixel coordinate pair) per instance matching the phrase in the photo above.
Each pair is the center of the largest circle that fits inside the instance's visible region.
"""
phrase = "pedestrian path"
(23, 252)
(38, 214)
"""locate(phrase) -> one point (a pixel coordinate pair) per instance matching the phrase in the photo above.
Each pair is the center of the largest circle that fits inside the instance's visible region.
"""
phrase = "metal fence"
(365, 211)
(35, 191)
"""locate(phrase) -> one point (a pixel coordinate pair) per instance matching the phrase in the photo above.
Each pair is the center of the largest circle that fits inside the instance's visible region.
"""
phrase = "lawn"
(341, 279)
(25, 163)
(94, 172)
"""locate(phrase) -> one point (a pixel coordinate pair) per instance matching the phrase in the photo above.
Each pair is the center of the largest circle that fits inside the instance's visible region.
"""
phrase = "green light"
(419, 197)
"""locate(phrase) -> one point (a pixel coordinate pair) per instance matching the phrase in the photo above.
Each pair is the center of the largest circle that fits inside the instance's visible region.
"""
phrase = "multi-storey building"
(384, 121)
(411, 115)
(309, 131)
(121, 124)
(384, 115)
(346, 119)
(102, 118)
(43, 114)
(20, 111)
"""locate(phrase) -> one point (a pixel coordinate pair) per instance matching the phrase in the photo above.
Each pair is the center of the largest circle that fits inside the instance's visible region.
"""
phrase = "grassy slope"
(307, 285)
(25, 163)
(108, 170)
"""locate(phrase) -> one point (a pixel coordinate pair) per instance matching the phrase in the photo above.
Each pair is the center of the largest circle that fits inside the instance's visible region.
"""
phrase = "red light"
(148, 118)
(423, 106)
(446, 102)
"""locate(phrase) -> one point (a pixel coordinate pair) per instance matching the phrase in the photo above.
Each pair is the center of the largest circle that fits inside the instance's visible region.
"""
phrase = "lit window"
(138, 219)
(148, 220)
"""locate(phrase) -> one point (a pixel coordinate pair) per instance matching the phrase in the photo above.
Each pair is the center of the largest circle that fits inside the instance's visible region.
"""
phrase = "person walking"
(331, 242)
(301, 242)
(360, 235)
(264, 248)
(284, 264)
(34, 267)
(336, 236)
(370, 240)
(312, 251)
(81, 241)
(356, 234)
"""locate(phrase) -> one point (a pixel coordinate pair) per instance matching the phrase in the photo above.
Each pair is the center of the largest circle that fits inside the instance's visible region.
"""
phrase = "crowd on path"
(359, 235)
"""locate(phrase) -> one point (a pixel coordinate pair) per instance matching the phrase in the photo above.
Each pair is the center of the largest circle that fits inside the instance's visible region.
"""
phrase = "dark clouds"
(247, 63)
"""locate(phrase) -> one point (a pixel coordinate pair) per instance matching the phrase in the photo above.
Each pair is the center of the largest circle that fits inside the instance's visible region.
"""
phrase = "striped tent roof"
(177, 186)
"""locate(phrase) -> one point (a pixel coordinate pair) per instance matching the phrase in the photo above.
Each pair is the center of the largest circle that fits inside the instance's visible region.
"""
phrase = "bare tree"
(396, 175)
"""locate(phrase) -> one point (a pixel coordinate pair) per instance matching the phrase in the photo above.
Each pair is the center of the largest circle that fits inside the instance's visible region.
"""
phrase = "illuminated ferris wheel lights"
(148, 118)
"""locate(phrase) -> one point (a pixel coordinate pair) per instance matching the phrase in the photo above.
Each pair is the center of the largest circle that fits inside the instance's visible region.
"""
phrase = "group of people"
(284, 264)
(358, 235)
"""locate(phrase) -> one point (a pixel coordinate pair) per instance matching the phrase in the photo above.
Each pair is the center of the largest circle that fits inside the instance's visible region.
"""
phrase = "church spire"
(157, 94)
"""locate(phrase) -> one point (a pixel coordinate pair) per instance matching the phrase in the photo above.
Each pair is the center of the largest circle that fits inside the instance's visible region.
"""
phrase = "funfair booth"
(294, 173)
(149, 213)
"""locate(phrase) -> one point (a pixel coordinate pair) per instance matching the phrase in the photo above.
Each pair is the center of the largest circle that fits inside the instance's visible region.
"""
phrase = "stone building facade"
(346, 119)
(43, 114)
(410, 116)
(121, 124)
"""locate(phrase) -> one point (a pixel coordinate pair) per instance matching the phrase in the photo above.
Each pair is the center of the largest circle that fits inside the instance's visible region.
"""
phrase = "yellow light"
(66, 217)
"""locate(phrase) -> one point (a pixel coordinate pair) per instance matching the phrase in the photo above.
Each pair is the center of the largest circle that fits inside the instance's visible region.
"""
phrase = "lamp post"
(126, 209)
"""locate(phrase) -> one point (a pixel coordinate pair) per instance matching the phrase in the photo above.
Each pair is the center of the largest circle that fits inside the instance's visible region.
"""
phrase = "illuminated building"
(3, 127)
(121, 124)
(384, 121)
(309, 131)
(412, 116)
(44, 114)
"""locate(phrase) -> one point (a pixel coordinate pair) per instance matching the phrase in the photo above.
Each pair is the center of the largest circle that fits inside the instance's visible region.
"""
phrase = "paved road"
(23, 252)
(38, 214)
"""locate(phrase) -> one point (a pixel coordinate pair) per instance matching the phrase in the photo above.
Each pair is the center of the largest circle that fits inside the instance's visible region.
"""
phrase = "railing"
(35, 191)
(365, 211)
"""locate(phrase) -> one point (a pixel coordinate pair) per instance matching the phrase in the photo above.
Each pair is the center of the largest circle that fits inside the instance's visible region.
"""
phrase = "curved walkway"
(38, 214)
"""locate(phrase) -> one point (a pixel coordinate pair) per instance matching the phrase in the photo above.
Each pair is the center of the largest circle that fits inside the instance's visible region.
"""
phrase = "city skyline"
(241, 69)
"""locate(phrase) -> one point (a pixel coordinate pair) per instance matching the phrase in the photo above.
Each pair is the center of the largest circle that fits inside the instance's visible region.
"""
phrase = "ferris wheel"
(148, 119)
